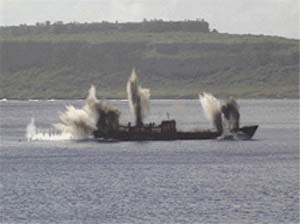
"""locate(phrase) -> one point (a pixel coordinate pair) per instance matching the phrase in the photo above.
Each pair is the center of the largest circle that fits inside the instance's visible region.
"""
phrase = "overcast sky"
(270, 17)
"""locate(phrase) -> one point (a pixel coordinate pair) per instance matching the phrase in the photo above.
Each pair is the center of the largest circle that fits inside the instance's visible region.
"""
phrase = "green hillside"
(41, 63)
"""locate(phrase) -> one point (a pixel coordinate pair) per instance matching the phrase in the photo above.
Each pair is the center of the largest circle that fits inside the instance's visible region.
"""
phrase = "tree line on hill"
(156, 26)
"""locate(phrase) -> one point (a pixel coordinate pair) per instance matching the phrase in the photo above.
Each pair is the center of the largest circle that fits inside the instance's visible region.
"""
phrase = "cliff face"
(171, 64)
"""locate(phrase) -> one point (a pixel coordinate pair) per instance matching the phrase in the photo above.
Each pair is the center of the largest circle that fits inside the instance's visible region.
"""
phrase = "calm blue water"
(157, 182)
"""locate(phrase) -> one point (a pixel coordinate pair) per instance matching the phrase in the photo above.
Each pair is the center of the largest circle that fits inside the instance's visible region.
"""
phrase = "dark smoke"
(108, 121)
(231, 114)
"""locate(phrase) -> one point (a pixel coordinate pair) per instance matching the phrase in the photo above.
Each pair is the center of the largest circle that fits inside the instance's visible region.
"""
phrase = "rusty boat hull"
(151, 134)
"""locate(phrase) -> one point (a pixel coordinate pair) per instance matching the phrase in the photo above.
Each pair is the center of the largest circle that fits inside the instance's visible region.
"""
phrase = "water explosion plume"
(212, 109)
(138, 99)
(231, 114)
(81, 123)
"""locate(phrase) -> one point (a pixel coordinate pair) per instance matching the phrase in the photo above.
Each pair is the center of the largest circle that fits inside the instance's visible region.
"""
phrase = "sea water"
(207, 181)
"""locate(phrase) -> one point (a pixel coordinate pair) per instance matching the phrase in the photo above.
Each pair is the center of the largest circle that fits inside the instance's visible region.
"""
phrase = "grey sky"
(270, 17)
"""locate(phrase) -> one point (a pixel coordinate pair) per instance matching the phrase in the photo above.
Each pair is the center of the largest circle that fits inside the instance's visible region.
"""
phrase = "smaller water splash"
(30, 130)
(34, 134)
(234, 136)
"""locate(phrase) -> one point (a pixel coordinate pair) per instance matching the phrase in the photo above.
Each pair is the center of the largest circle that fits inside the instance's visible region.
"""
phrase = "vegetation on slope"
(40, 63)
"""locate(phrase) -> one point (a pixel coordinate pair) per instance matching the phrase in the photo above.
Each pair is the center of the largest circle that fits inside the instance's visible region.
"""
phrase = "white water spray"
(34, 134)
(228, 124)
(212, 109)
(138, 98)
(30, 130)
(75, 123)
(80, 123)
